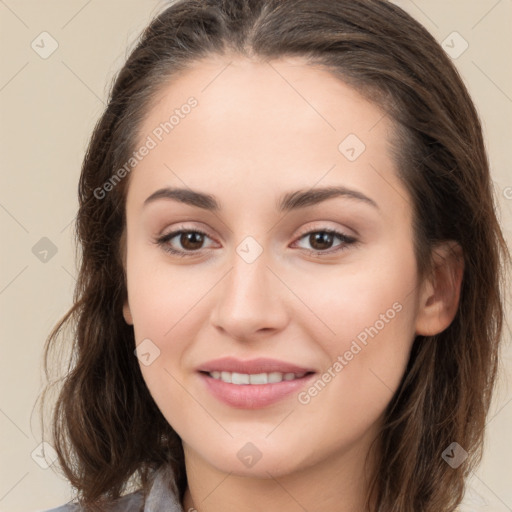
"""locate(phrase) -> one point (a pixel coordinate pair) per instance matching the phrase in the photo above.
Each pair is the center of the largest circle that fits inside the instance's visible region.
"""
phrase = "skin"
(261, 130)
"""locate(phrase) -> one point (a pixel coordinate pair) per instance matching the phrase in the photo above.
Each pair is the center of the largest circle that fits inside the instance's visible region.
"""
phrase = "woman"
(224, 357)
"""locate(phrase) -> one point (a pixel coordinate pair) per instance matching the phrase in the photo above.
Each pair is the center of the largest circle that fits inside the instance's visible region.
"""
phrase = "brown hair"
(108, 431)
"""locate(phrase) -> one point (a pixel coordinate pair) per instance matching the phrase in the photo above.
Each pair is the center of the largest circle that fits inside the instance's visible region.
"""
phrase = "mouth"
(225, 367)
(253, 384)
(258, 379)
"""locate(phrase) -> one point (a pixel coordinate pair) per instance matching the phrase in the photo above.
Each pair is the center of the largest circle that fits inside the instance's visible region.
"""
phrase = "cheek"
(162, 295)
(372, 299)
(165, 302)
(370, 315)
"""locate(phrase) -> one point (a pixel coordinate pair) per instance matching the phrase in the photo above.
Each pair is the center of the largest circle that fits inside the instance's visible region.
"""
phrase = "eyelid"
(186, 229)
(323, 226)
(346, 240)
(304, 231)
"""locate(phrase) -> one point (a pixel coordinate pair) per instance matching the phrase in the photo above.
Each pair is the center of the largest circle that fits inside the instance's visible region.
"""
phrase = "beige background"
(48, 110)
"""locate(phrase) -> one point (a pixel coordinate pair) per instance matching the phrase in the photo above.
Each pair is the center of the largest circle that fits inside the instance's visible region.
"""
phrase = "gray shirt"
(162, 496)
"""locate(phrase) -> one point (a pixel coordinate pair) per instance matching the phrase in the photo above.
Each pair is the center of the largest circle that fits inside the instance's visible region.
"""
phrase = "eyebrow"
(289, 201)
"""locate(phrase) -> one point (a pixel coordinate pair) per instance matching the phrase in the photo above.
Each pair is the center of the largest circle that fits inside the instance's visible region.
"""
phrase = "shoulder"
(130, 503)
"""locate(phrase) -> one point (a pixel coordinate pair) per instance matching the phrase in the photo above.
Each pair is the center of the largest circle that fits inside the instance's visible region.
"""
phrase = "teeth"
(258, 378)
(255, 378)
(274, 377)
(239, 378)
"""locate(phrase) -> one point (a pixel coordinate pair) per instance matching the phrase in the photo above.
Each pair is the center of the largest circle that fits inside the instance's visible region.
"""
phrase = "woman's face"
(257, 150)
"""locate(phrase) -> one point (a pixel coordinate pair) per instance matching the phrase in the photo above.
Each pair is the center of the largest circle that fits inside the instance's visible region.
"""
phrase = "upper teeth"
(256, 378)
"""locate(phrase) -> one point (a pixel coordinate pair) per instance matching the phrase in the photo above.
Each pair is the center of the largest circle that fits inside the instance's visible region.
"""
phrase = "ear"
(440, 292)
(127, 314)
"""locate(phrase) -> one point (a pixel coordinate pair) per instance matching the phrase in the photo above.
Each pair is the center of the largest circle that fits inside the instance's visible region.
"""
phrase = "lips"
(255, 383)
(253, 366)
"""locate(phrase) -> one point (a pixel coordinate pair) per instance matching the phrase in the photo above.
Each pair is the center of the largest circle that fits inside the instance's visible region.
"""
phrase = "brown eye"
(191, 240)
(187, 241)
(322, 240)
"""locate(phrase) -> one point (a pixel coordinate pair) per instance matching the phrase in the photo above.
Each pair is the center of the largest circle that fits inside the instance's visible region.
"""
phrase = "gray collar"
(163, 495)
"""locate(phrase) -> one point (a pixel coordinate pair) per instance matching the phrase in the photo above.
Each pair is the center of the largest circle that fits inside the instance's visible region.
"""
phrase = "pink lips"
(253, 396)
(260, 365)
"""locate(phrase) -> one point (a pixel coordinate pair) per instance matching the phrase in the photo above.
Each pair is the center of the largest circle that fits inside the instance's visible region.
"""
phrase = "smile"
(254, 378)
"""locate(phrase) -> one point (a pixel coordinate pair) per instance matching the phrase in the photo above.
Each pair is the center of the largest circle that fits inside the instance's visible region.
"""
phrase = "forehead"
(236, 92)
(260, 126)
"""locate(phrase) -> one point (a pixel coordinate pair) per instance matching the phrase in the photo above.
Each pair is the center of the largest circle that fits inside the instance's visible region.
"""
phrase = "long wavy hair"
(107, 430)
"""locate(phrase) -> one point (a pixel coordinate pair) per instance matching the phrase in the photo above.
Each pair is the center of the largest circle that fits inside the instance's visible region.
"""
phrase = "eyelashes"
(327, 236)
(332, 234)
(164, 241)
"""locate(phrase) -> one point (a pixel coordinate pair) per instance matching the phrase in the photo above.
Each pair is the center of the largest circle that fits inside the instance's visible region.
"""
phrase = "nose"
(251, 301)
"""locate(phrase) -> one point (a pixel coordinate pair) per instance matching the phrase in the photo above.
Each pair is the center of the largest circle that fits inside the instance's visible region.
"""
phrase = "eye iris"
(189, 239)
(322, 237)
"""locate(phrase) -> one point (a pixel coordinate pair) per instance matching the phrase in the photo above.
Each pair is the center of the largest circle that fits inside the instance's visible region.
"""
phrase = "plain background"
(48, 110)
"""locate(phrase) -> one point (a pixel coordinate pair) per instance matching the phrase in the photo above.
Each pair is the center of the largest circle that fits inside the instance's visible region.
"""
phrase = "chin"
(256, 458)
